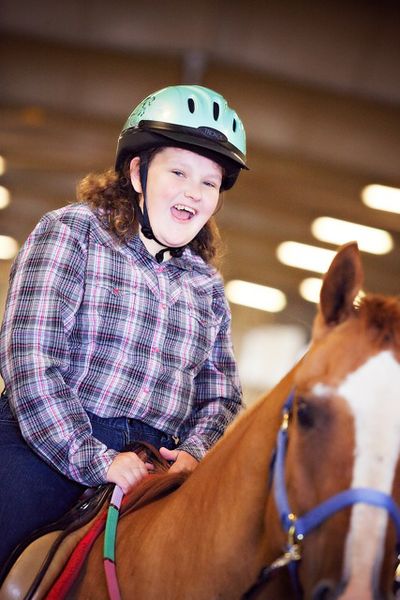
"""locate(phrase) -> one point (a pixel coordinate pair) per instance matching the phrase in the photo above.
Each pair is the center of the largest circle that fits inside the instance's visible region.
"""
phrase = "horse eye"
(305, 414)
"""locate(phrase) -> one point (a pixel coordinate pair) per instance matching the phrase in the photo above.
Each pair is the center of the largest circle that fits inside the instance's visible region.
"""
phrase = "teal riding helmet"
(188, 116)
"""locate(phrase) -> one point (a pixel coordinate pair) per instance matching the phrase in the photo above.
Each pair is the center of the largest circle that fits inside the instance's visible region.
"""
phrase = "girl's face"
(182, 194)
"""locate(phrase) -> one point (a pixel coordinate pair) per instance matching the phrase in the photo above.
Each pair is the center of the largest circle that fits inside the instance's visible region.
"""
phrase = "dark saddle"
(36, 563)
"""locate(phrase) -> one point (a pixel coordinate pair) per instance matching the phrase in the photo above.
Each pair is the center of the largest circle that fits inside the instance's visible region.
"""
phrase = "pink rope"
(112, 581)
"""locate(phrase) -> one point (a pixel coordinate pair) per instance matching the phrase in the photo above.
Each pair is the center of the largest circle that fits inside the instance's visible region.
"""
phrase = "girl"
(116, 327)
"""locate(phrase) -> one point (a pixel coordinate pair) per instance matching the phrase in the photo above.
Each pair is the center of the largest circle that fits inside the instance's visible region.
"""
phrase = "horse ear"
(341, 285)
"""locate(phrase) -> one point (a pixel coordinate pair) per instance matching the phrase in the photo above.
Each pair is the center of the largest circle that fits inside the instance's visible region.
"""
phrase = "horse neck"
(233, 478)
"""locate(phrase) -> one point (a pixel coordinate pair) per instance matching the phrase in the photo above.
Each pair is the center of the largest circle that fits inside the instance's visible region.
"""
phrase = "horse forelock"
(381, 316)
(336, 350)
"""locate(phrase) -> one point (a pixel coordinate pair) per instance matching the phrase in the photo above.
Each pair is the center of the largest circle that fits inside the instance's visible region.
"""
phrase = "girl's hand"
(183, 461)
(126, 470)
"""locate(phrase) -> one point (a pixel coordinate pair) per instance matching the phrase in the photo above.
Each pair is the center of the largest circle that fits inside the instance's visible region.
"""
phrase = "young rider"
(116, 327)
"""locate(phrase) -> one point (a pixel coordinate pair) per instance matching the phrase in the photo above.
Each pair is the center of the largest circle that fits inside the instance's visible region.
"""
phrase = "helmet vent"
(215, 110)
(191, 105)
(234, 125)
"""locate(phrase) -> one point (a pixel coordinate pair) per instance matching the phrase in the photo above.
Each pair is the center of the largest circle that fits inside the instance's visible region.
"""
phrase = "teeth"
(187, 208)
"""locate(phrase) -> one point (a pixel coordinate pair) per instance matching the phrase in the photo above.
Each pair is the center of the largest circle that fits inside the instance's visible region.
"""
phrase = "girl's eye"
(210, 184)
(177, 172)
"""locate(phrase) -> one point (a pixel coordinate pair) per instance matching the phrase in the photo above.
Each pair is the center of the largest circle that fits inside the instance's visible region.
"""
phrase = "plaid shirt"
(95, 324)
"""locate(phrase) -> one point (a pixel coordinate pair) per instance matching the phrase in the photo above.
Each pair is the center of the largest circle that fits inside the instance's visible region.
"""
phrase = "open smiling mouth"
(183, 212)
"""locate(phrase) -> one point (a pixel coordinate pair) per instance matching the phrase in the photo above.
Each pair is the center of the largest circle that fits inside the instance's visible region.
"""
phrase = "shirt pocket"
(198, 340)
(114, 302)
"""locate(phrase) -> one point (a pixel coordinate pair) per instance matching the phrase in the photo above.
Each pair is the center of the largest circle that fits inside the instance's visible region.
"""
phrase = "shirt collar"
(188, 261)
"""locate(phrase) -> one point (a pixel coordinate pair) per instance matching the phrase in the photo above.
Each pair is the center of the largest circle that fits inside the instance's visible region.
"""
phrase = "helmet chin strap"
(143, 217)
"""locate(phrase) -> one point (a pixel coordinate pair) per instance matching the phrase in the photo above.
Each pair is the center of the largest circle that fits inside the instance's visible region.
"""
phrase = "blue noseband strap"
(317, 515)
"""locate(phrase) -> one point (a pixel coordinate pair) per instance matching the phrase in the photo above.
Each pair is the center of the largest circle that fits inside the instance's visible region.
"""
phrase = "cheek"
(212, 204)
(157, 201)
(159, 191)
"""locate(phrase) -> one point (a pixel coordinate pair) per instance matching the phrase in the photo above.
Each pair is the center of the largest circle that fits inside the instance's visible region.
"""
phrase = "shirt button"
(146, 390)
(163, 306)
(156, 349)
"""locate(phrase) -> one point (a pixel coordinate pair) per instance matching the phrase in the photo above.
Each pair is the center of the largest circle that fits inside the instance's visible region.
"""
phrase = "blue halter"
(314, 517)
(297, 527)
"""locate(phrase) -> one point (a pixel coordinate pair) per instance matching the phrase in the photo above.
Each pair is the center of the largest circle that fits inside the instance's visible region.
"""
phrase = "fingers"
(184, 463)
(127, 470)
(170, 455)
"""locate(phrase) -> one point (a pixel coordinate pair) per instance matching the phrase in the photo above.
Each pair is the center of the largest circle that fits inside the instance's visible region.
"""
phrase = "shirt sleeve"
(218, 395)
(46, 287)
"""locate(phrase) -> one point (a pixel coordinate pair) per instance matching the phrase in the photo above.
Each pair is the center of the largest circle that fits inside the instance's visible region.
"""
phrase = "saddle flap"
(20, 578)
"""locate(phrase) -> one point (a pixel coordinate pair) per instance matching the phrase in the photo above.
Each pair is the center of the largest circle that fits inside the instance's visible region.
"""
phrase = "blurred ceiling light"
(381, 197)
(304, 256)
(8, 247)
(336, 231)
(310, 289)
(2, 165)
(255, 296)
(4, 197)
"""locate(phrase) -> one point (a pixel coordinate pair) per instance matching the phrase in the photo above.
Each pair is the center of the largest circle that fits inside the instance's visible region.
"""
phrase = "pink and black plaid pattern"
(94, 324)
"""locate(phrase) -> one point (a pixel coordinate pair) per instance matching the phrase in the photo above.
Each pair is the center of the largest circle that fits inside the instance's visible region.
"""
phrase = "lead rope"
(110, 537)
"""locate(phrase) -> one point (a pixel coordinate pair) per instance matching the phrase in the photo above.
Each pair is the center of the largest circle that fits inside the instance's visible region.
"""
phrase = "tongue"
(181, 215)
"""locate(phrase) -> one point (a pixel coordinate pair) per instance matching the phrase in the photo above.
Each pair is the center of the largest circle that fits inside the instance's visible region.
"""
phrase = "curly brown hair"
(109, 195)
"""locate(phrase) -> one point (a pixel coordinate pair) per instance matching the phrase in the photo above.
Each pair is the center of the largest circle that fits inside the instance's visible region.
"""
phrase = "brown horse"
(210, 538)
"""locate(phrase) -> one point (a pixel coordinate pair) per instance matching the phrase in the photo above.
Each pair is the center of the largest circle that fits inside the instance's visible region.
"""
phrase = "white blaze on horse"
(300, 497)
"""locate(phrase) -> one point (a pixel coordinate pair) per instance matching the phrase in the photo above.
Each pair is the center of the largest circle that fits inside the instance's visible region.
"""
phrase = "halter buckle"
(293, 552)
(285, 420)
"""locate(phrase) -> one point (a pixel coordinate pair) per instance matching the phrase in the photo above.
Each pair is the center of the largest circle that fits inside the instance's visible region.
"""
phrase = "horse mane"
(152, 488)
(381, 314)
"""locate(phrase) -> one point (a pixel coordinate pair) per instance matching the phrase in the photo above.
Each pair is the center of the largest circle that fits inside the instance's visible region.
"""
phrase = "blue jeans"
(34, 494)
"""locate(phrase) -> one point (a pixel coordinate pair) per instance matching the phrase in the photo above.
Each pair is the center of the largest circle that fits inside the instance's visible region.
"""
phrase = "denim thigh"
(32, 493)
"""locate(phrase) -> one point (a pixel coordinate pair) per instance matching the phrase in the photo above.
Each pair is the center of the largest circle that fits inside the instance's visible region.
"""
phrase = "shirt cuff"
(95, 472)
(195, 446)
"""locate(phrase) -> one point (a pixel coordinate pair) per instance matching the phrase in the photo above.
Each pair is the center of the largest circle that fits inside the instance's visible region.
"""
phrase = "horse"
(299, 498)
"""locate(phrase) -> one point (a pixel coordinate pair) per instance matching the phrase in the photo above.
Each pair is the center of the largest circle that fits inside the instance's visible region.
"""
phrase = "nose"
(193, 192)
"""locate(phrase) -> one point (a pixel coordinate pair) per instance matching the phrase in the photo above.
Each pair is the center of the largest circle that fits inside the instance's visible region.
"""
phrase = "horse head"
(344, 440)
